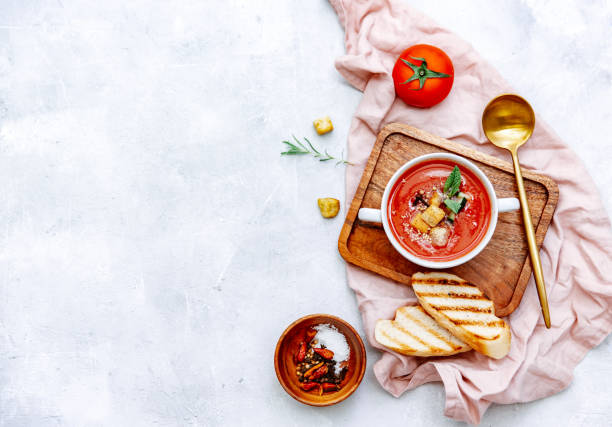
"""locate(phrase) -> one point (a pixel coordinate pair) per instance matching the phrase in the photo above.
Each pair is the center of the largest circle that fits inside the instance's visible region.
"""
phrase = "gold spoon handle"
(531, 240)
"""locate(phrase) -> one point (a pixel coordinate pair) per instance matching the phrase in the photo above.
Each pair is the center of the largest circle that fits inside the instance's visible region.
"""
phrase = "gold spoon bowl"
(508, 121)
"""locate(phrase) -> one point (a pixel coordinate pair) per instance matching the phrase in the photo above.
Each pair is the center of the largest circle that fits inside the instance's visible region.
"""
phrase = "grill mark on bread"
(441, 337)
(397, 342)
(461, 308)
(453, 295)
(416, 338)
(490, 324)
(404, 347)
(486, 338)
(441, 281)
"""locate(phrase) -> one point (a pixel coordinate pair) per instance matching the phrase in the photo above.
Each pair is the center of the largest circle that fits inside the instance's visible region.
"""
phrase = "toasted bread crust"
(461, 308)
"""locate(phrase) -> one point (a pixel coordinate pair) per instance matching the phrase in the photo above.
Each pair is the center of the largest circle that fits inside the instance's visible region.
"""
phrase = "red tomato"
(423, 75)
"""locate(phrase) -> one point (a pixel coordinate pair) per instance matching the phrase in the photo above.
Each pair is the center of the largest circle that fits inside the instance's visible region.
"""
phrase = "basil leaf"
(451, 186)
(452, 205)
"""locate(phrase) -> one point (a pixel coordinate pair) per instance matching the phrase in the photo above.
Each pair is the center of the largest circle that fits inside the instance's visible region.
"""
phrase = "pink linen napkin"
(576, 254)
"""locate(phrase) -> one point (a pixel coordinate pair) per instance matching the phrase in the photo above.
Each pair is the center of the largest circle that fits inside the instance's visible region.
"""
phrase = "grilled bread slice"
(415, 333)
(463, 309)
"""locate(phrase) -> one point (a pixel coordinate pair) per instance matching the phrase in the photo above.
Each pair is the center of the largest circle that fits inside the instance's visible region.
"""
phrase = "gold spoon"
(508, 122)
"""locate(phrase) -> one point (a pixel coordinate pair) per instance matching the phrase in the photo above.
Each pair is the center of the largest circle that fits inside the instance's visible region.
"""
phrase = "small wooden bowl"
(285, 365)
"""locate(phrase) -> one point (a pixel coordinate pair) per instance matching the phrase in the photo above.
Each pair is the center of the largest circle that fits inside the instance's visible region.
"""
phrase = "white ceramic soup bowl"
(497, 206)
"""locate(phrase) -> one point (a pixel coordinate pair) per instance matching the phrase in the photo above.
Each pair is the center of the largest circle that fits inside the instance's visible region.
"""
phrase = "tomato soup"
(463, 231)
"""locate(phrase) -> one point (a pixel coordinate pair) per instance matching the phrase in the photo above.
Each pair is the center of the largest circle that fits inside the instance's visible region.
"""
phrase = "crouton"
(436, 199)
(439, 236)
(329, 207)
(433, 215)
(323, 125)
(418, 223)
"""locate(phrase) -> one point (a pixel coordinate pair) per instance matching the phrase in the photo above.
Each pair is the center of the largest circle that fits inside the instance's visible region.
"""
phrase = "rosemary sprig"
(299, 148)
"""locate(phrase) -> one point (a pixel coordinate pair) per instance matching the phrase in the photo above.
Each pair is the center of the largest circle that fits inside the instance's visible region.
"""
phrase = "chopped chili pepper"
(319, 372)
(324, 353)
(309, 386)
(310, 334)
(329, 387)
(309, 372)
(301, 353)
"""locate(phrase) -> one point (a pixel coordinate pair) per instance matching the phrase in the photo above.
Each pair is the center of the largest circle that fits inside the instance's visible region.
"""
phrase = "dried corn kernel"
(323, 125)
(329, 207)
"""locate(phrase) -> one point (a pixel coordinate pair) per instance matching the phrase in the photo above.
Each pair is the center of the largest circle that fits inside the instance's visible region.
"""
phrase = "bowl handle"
(370, 215)
(509, 204)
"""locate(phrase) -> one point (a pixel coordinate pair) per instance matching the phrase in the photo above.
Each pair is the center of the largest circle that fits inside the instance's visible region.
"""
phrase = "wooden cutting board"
(501, 270)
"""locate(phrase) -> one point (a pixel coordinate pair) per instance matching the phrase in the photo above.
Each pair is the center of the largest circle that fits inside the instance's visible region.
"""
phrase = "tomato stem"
(421, 72)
